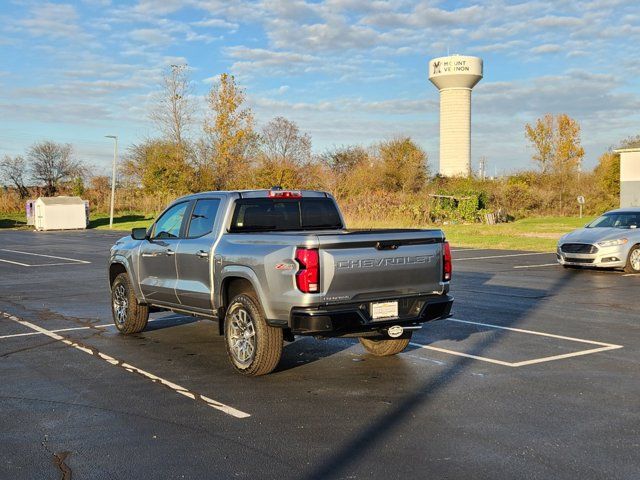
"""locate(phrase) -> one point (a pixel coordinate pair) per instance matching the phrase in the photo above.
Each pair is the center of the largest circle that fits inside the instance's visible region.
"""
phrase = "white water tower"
(455, 76)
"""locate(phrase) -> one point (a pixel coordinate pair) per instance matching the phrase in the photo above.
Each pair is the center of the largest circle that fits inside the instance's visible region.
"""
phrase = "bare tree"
(14, 170)
(53, 163)
(174, 109)
(282, 141)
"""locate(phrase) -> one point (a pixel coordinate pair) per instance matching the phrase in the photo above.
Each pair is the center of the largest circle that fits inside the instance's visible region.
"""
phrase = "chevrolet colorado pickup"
(272, 264)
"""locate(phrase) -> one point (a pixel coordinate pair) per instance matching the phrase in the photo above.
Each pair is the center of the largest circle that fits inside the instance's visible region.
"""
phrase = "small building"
(629, 177)
(60, 213)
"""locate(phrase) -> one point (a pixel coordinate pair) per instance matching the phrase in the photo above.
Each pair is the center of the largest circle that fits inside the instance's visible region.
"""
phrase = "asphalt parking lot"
(536, 375)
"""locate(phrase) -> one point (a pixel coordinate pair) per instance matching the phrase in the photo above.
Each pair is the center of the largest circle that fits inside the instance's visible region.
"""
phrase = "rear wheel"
(633, 260)
(253, 347)
(128, 315)
(385, 347)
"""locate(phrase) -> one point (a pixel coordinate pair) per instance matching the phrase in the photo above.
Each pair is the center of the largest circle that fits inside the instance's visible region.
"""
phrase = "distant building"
(629, 177)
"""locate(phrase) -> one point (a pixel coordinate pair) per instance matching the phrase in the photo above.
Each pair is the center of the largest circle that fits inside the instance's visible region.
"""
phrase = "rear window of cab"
(284, 214)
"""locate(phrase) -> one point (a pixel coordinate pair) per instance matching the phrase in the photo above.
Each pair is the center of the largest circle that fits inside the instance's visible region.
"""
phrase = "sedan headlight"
(613, 243)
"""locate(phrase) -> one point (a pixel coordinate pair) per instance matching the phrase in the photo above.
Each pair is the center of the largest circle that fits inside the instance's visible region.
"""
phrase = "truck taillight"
(447, 268)
(308, 277)
(285, 194)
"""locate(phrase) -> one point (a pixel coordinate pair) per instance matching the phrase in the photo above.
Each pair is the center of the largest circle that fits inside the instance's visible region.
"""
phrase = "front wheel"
(633, 260)
(385, 347)
(253, 347)
(128, 315)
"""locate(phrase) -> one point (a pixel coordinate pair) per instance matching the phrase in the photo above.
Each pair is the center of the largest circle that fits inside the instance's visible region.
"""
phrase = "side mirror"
(139, 233)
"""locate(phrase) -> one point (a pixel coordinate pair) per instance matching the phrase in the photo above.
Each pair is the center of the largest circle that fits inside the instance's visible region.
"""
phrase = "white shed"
(60, 213)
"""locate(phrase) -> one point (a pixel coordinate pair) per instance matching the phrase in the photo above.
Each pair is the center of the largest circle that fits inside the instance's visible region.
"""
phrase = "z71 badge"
(284, 266)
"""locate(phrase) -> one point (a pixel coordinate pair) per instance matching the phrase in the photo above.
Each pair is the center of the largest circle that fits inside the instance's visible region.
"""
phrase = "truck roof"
(258, 193)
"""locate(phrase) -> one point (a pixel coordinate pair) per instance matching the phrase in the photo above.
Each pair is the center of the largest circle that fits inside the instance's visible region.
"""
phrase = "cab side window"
(203, 217)
(169, 224)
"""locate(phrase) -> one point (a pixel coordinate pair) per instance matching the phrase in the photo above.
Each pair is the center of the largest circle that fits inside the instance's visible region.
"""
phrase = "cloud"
(216, 23)
(52, 20)
(151, 36)
(546, 48)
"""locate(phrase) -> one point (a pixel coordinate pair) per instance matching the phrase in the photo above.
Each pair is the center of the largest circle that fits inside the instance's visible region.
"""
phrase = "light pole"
(113, 177)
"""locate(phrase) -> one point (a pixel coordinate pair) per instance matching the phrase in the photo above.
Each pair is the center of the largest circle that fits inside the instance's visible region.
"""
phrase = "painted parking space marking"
(68, 261)
(538, 266)
(601, 346)
(70, 329)
(131, 368)
(503, 256)
(469, 249)
(15, 263)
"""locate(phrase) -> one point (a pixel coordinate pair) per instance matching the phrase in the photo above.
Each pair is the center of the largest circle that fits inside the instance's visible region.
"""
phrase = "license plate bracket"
(384, 310)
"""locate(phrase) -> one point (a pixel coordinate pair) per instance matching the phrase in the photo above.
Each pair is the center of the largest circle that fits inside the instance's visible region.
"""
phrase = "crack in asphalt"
(59, 460)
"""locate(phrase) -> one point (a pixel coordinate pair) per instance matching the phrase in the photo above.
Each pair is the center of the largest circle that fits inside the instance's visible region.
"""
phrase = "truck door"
(193, 257)
(158, 274)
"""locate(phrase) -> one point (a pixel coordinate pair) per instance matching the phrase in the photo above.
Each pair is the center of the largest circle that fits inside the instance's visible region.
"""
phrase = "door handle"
(202, 254)
(151, 254)
(169, 252)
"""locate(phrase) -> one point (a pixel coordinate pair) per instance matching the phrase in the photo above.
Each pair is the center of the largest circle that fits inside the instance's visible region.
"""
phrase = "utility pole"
(113, 177)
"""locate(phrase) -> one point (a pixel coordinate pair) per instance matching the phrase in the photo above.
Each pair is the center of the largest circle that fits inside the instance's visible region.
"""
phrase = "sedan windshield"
(617, 220)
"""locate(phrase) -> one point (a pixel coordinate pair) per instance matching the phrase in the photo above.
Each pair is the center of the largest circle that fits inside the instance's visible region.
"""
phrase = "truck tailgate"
(380, 264)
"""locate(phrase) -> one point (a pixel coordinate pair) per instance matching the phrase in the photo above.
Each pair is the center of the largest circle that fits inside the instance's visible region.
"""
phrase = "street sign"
(581, 200)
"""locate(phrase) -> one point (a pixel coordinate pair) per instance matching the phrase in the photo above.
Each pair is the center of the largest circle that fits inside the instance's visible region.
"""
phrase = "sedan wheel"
(633, 262)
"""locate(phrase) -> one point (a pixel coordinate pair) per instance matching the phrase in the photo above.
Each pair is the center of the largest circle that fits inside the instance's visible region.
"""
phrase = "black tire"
(128, 315)
(629, 268)
(387, 346)
(253, 347)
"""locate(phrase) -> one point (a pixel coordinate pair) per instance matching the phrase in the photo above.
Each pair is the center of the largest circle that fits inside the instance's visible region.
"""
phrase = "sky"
(346, 71)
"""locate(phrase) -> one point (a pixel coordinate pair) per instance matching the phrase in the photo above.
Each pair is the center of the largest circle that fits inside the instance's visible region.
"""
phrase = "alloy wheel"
(634, 259)
(120, 303)
(242, 337)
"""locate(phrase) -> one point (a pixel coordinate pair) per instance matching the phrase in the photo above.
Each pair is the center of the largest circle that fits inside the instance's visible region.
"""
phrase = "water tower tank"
(455, 76)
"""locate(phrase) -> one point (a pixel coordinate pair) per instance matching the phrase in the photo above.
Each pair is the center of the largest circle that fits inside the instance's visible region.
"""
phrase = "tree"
(53, 163)
(607, 173)
(13, 169)
(630, 142)
(284, 153)
(174, 109)
(281, 141)
(556, 141)
(542, 137)
(159, 167)
(558, 151)
(229, 128)
(347, 168)
(404, 165)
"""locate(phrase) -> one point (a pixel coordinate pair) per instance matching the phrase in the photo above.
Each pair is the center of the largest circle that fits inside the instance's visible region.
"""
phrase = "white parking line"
(536, 266)
(602, 346)
(70, 329)
(503, 256)
(15, 263)
(70, 261)
(43, 255)
(132, 369)
(468, 249)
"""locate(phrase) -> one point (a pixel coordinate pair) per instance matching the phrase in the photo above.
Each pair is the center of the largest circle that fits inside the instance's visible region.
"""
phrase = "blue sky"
(347, 71)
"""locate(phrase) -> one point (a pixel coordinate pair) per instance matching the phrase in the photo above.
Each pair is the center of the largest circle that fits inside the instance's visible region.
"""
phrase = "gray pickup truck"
(272, 264)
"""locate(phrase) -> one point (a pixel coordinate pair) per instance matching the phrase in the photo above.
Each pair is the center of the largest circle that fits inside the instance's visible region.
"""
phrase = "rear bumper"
(341, 320)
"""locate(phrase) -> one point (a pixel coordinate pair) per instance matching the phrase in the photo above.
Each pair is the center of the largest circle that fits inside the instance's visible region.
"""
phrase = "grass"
(536, 234)
(122, 221)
